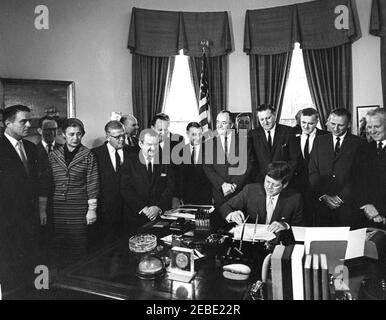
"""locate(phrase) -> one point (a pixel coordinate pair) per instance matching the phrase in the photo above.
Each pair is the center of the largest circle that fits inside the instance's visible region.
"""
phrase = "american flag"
(204, 107)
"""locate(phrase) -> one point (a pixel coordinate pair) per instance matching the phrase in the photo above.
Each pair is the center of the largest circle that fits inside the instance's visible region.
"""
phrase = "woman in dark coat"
(75, 191)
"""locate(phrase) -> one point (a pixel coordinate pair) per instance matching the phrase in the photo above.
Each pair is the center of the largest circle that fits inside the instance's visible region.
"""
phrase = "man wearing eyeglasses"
(111, 157)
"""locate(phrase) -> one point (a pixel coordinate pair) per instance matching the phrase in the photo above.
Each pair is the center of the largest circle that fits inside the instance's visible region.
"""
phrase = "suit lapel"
(107, 159)
(278, 208)
(79, 156)
(263, 138)
(276, 138)
(12, 152)
(142, 169)
(262, 208)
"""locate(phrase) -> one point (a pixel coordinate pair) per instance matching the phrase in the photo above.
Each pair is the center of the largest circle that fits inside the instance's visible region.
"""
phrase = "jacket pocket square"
(284, 145)
(164, 174)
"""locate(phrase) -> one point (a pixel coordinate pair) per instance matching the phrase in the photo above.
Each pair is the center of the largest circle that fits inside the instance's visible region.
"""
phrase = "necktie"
(337, 146)
(117, 161)
(269, 141)
(149, 170)
(269, 210)
(23, 156)
(306, 151)
(193, 156)
(226, 148)
(49, 147)
(380, 147)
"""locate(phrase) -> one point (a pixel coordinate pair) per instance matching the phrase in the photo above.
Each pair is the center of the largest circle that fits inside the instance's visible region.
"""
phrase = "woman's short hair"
(75, 123)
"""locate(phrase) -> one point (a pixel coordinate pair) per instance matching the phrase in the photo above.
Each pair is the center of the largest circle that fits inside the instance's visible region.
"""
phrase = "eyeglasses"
(122, 136)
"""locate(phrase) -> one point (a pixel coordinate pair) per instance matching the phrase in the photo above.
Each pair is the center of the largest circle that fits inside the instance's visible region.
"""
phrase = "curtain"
(329, 75)
(378, 28)
(217, 78)
(149, 85)
(268, 78)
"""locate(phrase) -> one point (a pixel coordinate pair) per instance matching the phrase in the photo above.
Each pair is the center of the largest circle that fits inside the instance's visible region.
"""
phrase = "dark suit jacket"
(301, 180)
(135, 144)
(237, 170)
(110, 202)
(193, 186)
(370, 177)
(329, 174)
(283, 149)
(138, 192)
(252, 201)
(19, 215)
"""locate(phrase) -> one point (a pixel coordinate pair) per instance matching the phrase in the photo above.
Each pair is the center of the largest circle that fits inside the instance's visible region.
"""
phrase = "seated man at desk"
(270, 203)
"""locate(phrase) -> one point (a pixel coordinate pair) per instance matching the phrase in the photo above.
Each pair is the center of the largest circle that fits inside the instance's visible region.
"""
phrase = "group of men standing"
(274, 174)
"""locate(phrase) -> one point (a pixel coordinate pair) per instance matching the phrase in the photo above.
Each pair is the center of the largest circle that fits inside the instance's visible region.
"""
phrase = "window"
(181, 103)
(297, 94)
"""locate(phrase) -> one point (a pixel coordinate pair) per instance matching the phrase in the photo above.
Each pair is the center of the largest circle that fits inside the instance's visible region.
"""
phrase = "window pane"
(181, 104)
(297, 95)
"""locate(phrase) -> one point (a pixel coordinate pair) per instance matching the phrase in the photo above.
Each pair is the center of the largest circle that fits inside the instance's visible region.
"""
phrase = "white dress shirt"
(341, 140)
(45, 145)
(270, 206)
(303, 140)
(196, 150)
(229, 140)
(15, 144)
(112, 155)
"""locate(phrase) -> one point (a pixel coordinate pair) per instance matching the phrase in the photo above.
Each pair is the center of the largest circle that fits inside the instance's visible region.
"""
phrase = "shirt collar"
(341, 137)
(13, 141)
(274, 197)
(111, 148)
(312, 134)
(272, 131)
(45, 144)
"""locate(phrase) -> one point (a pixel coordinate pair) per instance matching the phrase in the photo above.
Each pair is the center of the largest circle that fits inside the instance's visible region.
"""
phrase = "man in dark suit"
(226, 160)
(269, 203)
(370, 171)
(193, 186)
(131, 128)
(304, 141)
(48, 129)
(147, 186)
(331, 172)
(23, 199)
(110, 157)
(271, 142)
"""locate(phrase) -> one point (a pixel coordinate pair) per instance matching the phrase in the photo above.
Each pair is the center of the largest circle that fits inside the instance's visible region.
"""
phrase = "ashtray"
(142, 243)
(150, 267)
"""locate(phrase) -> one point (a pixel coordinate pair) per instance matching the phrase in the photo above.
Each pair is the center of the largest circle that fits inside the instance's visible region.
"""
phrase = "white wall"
(87, 39)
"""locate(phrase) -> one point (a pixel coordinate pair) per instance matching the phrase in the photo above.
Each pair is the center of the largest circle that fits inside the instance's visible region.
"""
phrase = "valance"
(313, 24)
(164, 33)
(317, 24)
(270, 31)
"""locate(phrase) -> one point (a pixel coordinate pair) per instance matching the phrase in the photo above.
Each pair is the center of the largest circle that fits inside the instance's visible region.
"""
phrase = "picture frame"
(45, 98)
(361, 114)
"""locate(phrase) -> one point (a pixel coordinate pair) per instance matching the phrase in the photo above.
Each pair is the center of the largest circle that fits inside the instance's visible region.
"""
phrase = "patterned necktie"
(337, 146)
(117, 161)
(306, 148)
(193, 156)
(380, 147)
(269, 210)
(23, 156)
(269, 141)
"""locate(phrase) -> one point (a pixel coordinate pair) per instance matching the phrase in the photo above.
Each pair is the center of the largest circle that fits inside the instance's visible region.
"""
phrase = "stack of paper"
(253, 232)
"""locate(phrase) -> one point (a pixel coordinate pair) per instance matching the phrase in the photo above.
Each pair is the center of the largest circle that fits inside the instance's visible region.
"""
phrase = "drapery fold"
(268, 77)
(329, 76)
(164, 33)
(149, 84)
(378, 28)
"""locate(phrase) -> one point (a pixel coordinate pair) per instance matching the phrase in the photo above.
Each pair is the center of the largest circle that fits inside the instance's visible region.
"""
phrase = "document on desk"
(253, 232)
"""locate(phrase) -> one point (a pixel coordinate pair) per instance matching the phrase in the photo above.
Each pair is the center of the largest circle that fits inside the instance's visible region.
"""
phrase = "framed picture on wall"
(44, 97)
(361, 118)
